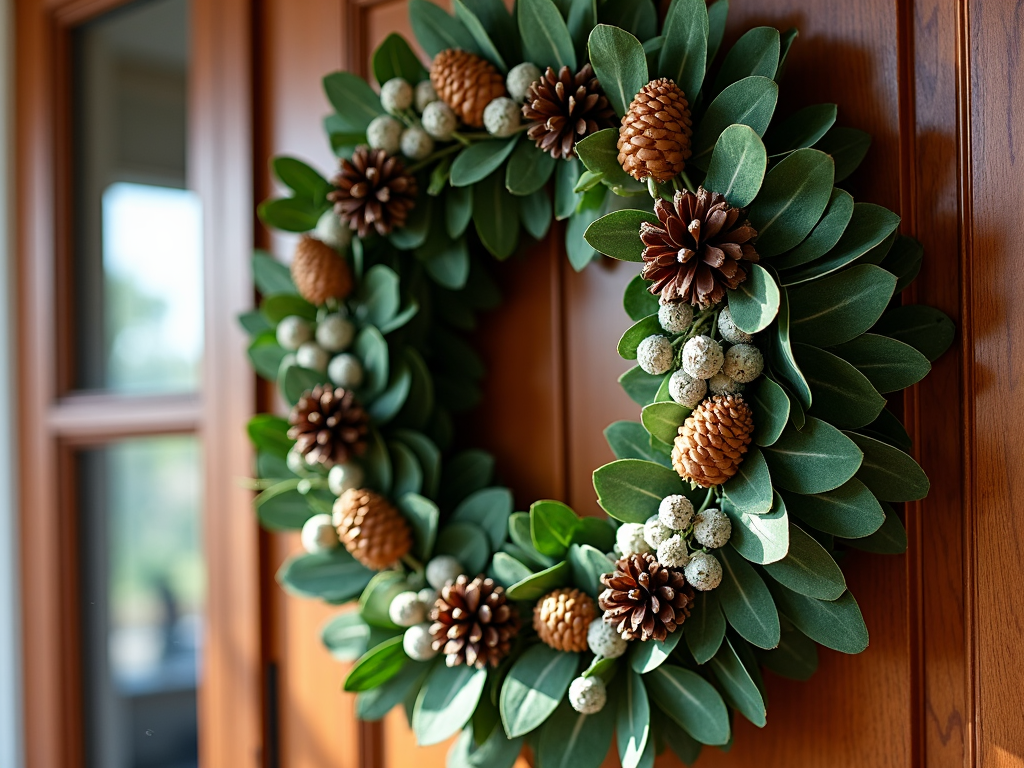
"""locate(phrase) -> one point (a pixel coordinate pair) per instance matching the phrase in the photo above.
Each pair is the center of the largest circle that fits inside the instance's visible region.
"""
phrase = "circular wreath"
(765, 337)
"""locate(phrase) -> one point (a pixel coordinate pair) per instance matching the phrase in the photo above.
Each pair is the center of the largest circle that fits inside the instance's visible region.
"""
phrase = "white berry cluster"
(322, 346)
(399, 131)
(411, 609)
(678, 529)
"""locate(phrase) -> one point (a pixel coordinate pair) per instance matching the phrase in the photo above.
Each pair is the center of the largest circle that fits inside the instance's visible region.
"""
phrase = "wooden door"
(938, 83)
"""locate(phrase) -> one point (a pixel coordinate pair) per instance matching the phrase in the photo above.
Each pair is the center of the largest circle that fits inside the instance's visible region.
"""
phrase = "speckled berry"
(654, 355)
(335, 332)
(439, 120)
(520, 78)
(441, 570)
(712, 528)
(720, 384)
(418, 643)
(676, 316)
(588, 695)
(333, 231)
(727, 328)
(384, 132)
(346, 371)
(312, 356)
(675, 512)
(396, 95)
(630, 540)
(425, 94)
(655, 531)
(702, 357)
(502, 116)
(344, 477)
(743, 363)
(293, 332)
(672, 552)
(603, 640)
(319, 535)
(428, 596)
(686, 390)
(703, 572)
(406, 610)
(416, 143)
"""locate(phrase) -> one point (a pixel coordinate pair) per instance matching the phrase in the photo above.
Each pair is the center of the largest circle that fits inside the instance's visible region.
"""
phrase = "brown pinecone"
(466, 83)
(712, 441)
(645, 600)
(373, 190)
(565, 108)
(328, 426)
(562, 617)
(699, 249)
(320, 272)
(473, 622)
(654, 139)
(372, 530)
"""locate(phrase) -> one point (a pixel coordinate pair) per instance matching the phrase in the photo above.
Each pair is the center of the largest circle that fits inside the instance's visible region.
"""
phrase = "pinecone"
(319, 272)
(473, 622)
(466, 83)
(562, 618)
(712, 441)
(372, 530)
(373, 190)
(654, 139)
(699, 249)
(566, 108)
(328, 426)
(645, 600)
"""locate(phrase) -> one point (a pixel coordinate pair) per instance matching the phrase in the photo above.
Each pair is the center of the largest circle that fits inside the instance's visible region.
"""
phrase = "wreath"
(765, 337)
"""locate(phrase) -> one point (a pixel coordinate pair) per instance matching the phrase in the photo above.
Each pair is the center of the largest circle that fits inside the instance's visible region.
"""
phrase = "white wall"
(10, 677)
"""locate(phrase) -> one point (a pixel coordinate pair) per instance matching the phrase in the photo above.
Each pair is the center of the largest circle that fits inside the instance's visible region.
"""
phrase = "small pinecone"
(372, 530)
(328, 426)
(566, 108)
(712, 441)
(319, 272)
(466, 83)
(654, 139)
(562, 618)
(473, 622)
(373, 190)
(645, 600)
(699, 250)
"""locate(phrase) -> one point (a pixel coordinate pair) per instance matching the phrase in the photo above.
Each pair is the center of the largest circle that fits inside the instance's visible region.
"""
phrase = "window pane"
(143, 594)
(138, 238)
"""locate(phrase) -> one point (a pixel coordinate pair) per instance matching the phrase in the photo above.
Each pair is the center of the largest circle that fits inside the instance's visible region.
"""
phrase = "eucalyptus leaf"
(718, 13)
(684, 52)
(691, 701)
(755, 303)
(824, 236)
(750, 102)
(490, 509)
(535, 213)
(630, 490)
(569, 739)
(566, 175)
(619, 63)
(638, 301)
(346, 636)
(850, 511)
(334, 576)
(889, 364)
(633, 719)
(662, 420)
(796, 657)
(270, 433)
(750, 489)
(836, 624)
(839, 307)
(746, 602)
(496, 216)
(375, 601)
(552, 525)
(793, 197)
(476, 29)
(282, 508)
(889, 539)
(705, 628)
(808, 569)
(888, 429)
(371, 348)
(272, 278)
(545, 36)
(528, 169)
(816, 459)
(437, 31)
(904, 260)
(507, 570)
(423, 517)
(629, 440)
(926, 329)
(536, 683)
(847, 146)
(737, 167)
(536, 586)
(841, 394)
(458, 210)
(446, 701)
(780, 353)
(737, 685)
(376, 666)
(617, 234)
(467, 543)
(638, 17)
(650, 654)
(760, 538)
(755, 53)
(588, 564)
(353, 99)
(771, 410)
(394, 58)
(803, 128)
(373, 704)
(479, 160)
(641, 386)
(889, 473)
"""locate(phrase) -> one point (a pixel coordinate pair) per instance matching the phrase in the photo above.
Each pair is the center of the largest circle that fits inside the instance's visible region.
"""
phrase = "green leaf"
(751, 102)
(379, 298)
(545, 36)
(535, 213)
(690, 701)
(738, 687)
(888, 429)
(718, 12)
(788, 37)
(662, 420)
(796, 657)
(842, 395)
(639, 385)
(282, 508)
(373, 704)
(746, 601)
(377, 666)
(629, 440)
(272, 278)
(755, 303)
(377, 462)
(750, 489)
(488, 508)
(816, 459)
(376, 598)
(850, 511)
(904, 260)
(619, 63)
(889, 365)
(684, 53)
(840, 307)
(631, 490)
(755, 53)
(836, 624)
(617, 234)
(297, 381)
(926, 329)
(552, 525)
(535, 685)
(446, 701)
(808, 568)
(635, 334)
(353, 99)
(507, 570)
(467, 543)
(277, 308)
(581, 20)
(824, 236)
(780, 353)
(638, 301)
(600, 154)
(888, 472)
(760, 538)
(889, 539)
(270, 433)
(371, 348)
(496, 216)
(528, 169)
(793, 197)
(479, 160)
(417, 230)
(803, 128)
(598, 532)
(465, 473)
(539, 584)
(519, 532)
(771, 410)
(346, 636)
(569, 739)
(566, 174)
(588, 564)
(394, 58)
(458, 210)
(289, 214)
(428, 456)
(475, 28)
(334, 576)
(633, 718)
(638, 17)
(738, 163)
(579, 251)
(449, 265)
(650, 654)
(436, 31)
(705, 628)
(423, 516)
(847, 146)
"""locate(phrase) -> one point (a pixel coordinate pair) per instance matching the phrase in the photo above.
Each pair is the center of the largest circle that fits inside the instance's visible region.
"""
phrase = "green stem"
(687, 182)
(707, 499)
(436, 156)
(652, 188)
(413, 564)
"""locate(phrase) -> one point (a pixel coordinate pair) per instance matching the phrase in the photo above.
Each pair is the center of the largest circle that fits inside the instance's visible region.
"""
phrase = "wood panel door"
(938, 84)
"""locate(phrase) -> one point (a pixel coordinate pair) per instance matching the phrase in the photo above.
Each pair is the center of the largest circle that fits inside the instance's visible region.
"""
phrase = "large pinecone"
(466, 83)
(654, 139)
(713, 440)
(473, 622)
(565, 108)
(645, 600)
(328, 426)
(372, 530)
(320, 272)
(699, 249)
(373, 190)
(562, 618)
